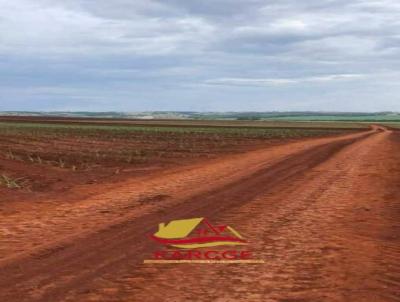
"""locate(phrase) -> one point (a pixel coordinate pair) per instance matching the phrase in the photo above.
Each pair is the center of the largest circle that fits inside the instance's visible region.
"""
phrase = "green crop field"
(82, 143)
(261, 130)
(104, 149)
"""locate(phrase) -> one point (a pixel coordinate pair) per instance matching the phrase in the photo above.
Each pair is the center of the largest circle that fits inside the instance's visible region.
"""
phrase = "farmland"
(45, 156)
(81, 197)
(392, 125)
(206, 117)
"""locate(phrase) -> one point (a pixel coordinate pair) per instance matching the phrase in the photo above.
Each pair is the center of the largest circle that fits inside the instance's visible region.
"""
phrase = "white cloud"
(31, 28)
(283, 81)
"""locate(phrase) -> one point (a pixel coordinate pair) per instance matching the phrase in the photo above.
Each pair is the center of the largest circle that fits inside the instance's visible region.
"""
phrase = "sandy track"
(322, 214)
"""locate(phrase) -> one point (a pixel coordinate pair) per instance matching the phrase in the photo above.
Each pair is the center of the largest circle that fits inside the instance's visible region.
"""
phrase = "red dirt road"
(323, 214)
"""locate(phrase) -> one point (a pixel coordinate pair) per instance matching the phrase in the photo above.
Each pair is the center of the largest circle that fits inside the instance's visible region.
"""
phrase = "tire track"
(57, 271)
(328, 234)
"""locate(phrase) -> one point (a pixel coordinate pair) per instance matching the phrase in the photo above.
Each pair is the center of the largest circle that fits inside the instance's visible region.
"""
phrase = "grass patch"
(12, 183)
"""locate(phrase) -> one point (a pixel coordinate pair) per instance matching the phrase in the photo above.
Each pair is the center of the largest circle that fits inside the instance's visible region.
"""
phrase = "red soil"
(323, 213)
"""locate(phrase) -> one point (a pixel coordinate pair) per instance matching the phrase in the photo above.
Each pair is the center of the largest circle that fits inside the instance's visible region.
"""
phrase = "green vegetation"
(53, 151)
(352, 118)
(303, 116)
(223, 116)
(78, 147)
(232, 130)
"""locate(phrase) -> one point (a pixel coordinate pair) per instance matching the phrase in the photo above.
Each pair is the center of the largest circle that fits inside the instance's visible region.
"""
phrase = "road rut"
(322, 214)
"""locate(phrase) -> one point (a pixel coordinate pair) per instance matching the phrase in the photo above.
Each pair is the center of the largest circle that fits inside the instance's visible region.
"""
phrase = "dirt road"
(323, 214)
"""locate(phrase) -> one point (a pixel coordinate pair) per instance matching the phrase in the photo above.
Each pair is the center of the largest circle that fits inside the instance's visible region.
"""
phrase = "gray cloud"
(200, 55)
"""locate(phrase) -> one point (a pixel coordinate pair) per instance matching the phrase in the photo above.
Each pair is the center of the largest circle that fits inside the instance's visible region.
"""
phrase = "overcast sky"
(200, 55)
